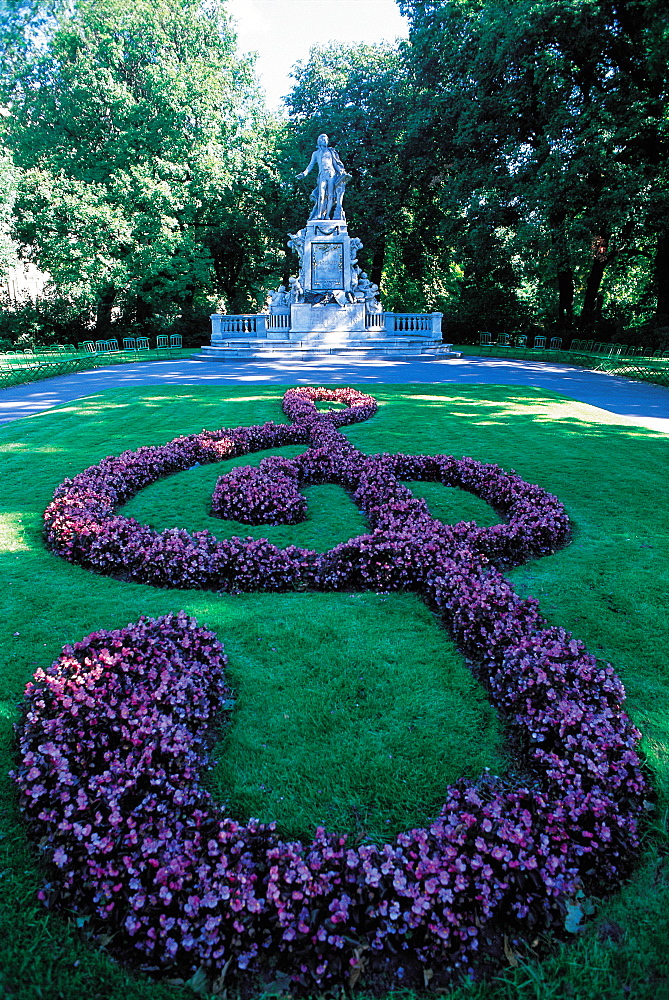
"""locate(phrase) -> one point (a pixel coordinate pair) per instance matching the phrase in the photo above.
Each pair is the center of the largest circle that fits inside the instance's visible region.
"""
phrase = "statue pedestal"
(332, 318)
(326, 257)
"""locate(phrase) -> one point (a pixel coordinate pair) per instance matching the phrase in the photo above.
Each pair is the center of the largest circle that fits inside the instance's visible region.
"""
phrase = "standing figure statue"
(296, 292)
(328, 194)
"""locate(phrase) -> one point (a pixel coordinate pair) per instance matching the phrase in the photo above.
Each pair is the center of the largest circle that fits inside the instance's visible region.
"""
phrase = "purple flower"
(115, 734)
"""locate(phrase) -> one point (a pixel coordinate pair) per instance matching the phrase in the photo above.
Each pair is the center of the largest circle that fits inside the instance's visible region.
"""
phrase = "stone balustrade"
(375, 321)
(413, 323)
(226, 327)
(279, 320)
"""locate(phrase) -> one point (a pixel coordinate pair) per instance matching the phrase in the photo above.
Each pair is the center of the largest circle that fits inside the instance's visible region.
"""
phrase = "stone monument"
(331, 304)
(329, 297)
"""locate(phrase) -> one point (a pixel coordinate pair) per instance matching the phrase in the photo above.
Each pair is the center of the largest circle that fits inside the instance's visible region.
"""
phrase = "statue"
(296, 291)
(296, 242)
(328, 194)
(365, 290)
(279, 299)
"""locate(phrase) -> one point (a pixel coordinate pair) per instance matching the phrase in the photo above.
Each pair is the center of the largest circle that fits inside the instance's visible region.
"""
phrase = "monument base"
(345, 320)
(306, 330)
(315, 347)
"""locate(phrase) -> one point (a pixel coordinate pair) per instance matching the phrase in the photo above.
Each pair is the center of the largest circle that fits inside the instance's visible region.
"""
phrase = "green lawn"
(352, 710)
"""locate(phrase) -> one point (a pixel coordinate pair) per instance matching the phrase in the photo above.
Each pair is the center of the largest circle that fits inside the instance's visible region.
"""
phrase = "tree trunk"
(290, 266)
(662, 279)
(143, 310)
(565, 278)
(378, 260)
(589, 310)
(565, 273)
(601, 258)
(187, 306)
(103, 316)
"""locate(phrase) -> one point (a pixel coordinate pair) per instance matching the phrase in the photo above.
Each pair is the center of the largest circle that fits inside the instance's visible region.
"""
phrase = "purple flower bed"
(267, 495)
(113, 741)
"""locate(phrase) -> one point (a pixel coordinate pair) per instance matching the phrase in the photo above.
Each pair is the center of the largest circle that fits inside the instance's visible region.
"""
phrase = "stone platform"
(309, 348)
(306, 331)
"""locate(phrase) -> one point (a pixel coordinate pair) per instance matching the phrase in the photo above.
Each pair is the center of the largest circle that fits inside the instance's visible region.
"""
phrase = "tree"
(24, 26)
(7, 195)
(553, 119)
(135, 132)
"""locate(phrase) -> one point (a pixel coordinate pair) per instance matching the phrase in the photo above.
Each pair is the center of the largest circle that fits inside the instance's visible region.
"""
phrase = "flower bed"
(112, 745)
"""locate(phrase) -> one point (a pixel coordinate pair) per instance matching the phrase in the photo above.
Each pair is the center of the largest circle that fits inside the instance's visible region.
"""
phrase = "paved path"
(638, 403)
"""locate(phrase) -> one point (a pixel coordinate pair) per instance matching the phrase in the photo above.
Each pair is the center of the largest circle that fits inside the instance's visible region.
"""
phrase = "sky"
(283, 31)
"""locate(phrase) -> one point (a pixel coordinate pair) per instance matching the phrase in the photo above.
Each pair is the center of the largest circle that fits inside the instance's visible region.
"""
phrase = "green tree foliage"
(22, 22)
(545, 126)
(509, 161)
(136, 130)
(24, 26)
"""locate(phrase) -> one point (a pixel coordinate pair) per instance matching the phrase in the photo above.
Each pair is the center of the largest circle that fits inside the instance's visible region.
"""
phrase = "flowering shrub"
(113, 739)
(82, 527)
(268, 495)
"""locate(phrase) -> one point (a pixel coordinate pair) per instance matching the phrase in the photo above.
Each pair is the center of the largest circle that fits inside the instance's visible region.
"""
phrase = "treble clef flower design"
(113, 741)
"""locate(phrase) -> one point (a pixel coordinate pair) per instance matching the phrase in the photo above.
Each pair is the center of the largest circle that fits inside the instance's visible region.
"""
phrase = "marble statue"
(365, 290)
(296, 242)
(296, 291)
(330, 301)
(355, 245)
(328, 195)
(279, 299)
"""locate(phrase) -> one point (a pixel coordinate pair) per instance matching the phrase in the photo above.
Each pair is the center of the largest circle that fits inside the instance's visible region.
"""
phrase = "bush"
(52, 319)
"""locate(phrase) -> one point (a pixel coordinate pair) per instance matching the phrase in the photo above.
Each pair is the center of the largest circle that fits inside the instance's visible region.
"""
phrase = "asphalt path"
(636, 403)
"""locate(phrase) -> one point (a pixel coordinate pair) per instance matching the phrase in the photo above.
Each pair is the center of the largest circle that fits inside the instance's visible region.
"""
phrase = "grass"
(20, 369)
(643, 367)
(352, 710)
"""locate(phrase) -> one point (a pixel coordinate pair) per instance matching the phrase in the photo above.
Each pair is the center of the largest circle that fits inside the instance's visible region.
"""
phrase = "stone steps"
(327, 339)
(306, 350)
